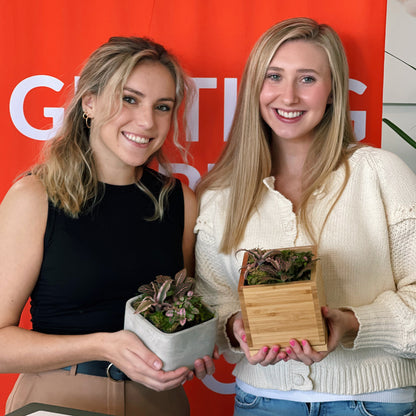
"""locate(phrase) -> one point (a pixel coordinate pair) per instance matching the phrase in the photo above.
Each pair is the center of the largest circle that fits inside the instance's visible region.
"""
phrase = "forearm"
(389, 322)
(216, 287)
(28, 351)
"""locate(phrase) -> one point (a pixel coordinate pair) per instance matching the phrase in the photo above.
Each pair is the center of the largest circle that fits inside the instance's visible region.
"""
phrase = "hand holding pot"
(343, 327)
(130, 355)
(205, 366)
(265, 356)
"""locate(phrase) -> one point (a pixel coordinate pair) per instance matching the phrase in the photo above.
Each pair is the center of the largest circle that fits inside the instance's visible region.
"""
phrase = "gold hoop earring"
(87, 120)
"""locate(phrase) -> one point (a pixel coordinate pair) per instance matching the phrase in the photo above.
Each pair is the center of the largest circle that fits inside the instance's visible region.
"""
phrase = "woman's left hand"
(342, 325)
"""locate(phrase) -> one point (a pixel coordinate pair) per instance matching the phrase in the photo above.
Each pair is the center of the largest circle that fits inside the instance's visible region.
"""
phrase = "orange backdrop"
(44, 44)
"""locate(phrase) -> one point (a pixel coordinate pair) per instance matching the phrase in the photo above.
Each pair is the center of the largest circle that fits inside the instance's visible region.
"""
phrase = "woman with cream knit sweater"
(292, 174)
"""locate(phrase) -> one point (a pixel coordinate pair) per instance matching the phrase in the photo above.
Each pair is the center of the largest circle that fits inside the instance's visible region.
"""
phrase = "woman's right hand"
(265, 356)
(130, 355)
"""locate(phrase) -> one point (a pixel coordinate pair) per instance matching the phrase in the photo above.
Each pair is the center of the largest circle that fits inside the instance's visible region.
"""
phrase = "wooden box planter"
(176, 349)
(275, 313)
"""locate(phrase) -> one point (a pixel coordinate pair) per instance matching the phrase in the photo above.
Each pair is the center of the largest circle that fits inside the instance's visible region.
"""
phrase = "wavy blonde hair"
(68, 170)
(246, 158)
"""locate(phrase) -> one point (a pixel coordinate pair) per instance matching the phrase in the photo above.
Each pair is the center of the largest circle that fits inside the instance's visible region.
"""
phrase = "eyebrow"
(140, 94)
(303, 70)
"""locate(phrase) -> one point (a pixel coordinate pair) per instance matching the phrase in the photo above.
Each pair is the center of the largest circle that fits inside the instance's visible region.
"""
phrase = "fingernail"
(157, 365)
(275, 349)
(243, 337)
(265, 349)
(288, 350)
(303, 342)
(292, 343)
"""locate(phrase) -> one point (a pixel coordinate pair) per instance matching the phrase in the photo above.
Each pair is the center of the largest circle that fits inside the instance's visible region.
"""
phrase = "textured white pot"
(175, 350)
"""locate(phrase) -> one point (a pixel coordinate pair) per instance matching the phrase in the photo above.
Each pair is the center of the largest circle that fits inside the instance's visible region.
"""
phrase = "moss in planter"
(171, 304)
(277, 266)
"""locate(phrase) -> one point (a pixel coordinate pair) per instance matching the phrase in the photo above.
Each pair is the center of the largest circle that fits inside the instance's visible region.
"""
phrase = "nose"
(145, 117)
(289, 93)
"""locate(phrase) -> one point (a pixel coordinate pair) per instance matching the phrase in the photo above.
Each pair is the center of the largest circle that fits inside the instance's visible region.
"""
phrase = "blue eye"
(273, 77)
(308, 79)
(129, 99)
(163, 107)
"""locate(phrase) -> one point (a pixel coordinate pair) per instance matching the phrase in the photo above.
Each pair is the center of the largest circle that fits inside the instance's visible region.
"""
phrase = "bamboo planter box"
(275, 313)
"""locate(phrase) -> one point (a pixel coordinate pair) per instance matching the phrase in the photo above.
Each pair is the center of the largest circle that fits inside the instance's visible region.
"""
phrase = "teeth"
(137, 139)
(291, 114)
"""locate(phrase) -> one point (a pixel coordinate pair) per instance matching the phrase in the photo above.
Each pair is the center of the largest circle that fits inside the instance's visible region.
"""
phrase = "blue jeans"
(249, 405)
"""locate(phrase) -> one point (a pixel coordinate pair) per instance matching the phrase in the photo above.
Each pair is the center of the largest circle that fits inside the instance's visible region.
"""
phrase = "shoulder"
(25, 207)
(395, 181)
(189, 199)
(188, 193)
(211, 199)
(383, 162)
(27, 192)
(212, 211)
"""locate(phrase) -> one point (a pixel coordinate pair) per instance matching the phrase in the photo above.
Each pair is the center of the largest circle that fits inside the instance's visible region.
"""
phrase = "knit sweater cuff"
(376, 329)
(232, 354)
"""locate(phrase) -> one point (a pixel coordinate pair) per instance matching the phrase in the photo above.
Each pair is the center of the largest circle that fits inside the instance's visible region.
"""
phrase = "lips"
(137, 139)
(289, 114)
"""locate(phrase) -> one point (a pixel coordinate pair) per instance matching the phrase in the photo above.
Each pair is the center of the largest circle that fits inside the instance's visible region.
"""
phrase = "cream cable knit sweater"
(368, 255)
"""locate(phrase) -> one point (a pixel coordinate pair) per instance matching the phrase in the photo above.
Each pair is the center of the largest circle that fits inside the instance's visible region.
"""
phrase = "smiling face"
(296, 90)
(139, 129)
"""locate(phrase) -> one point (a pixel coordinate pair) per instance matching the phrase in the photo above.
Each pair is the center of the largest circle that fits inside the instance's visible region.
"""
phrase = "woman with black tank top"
(90, 224)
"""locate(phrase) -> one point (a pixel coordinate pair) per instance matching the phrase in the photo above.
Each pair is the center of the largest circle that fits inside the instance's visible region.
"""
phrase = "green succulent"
(277, 266)
(171, 304)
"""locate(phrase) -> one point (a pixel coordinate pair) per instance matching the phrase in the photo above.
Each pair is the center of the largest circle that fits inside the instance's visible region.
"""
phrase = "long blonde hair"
(246, 158)
(68, 170)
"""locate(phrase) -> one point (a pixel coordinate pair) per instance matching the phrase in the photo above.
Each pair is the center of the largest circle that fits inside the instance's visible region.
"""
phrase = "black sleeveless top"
(93, 264)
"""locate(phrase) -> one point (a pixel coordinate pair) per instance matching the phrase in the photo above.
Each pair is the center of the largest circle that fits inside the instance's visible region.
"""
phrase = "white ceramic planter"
(175, 350)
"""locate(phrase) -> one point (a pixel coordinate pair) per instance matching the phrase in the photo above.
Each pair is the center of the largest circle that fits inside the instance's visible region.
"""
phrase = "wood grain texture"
(275, 313)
